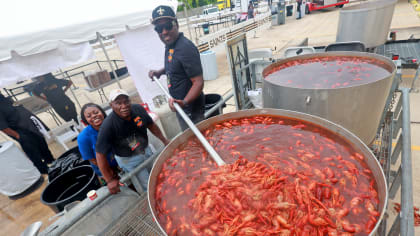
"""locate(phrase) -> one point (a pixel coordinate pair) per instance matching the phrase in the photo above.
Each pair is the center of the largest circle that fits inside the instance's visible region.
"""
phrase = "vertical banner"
(142, 51)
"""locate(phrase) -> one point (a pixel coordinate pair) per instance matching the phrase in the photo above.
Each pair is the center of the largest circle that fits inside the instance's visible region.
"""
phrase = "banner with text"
(219, 38)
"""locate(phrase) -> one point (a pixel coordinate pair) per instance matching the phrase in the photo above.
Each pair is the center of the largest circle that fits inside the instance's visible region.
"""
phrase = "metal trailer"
(407, 55)
(396, 126)
(314, 5)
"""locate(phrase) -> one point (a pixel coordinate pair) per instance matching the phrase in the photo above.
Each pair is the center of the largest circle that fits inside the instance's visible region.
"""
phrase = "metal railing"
(71, 72)
(397, 126)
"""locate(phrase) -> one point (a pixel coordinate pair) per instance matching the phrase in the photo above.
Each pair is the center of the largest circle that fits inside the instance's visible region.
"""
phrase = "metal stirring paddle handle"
(193, 128)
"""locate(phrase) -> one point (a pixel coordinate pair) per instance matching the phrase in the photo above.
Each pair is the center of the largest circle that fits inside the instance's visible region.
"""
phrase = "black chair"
(346, 46)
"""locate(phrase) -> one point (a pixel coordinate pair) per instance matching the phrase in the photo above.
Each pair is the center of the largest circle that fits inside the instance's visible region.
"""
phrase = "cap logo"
(161, 11)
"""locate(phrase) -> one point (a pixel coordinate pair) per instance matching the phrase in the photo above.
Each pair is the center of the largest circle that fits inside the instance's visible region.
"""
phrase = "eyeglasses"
(167, 26)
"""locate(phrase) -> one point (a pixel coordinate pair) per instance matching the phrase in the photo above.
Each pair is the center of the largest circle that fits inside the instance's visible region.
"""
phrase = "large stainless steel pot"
(353, 141)
(357, 108)
(366, 22)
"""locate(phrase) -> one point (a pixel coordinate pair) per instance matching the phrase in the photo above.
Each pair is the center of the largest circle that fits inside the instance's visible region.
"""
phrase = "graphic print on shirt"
(170, 56)
(138, 121)
(132, 141)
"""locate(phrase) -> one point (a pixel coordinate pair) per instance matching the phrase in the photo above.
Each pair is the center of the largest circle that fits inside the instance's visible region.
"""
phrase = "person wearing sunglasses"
(182, 66)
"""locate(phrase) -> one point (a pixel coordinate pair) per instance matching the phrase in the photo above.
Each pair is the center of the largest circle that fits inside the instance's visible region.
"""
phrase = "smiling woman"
(92, 115)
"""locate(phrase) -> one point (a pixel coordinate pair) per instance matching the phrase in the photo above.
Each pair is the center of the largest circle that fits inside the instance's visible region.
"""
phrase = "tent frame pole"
(107, 58)
(188, 21)
(71, 90)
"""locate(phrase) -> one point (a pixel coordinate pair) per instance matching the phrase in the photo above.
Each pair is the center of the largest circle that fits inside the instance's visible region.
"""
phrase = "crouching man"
(124, 132)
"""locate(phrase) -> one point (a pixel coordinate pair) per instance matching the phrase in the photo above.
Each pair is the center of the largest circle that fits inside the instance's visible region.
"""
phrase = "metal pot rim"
(331, 54)
(338, 130)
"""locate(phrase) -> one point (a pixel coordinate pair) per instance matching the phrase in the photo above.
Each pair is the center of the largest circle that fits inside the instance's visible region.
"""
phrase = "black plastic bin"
(70, 186)
(211, 100)
(74, 150)
(68, 160)
(289, 10)
(206, 28)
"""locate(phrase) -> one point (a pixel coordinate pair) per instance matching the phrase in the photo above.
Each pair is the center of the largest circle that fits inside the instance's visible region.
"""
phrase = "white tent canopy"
(53, 29)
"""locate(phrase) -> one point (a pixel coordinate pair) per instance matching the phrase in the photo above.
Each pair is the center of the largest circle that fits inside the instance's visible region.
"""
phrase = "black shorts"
(195, 112)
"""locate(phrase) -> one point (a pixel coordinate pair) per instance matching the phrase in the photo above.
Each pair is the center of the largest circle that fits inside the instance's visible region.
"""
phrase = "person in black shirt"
(124, 132)
(299, 8)
(182, 66)
(250, 10)
(21, 125)
(51, 89)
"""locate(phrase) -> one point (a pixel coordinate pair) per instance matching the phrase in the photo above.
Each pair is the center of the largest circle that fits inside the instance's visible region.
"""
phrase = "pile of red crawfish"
(285, 177)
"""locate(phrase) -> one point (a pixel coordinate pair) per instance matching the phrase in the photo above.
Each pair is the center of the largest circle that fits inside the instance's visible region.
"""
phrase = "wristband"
(184, 102)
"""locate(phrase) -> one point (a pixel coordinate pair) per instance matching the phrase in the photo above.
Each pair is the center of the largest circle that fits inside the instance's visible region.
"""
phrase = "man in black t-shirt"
(182, 66)
(51, 89)
(18, 123)
(124, 132)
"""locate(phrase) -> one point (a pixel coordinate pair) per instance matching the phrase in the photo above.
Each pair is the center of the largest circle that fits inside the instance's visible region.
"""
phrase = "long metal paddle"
(194, 129)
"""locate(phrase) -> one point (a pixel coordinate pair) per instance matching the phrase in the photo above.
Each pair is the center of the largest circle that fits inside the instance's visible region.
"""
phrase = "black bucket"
(67, 161)
(74, 150)
(70, 186)
(210, 101)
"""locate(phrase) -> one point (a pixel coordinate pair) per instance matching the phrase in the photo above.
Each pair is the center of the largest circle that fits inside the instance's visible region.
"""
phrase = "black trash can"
(68, 160)
(289, 10)
(70, 186)
(74, 150)
(206, 28)
(211, 100)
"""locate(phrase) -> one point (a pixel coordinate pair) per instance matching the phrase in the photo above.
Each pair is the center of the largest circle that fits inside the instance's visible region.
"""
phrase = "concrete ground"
(320, 27)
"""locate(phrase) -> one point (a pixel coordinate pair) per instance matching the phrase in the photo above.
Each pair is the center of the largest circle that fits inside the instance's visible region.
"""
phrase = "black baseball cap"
(163, 11)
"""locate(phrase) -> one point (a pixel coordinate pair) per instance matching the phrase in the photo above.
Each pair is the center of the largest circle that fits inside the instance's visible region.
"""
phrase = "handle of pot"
(193, 128)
